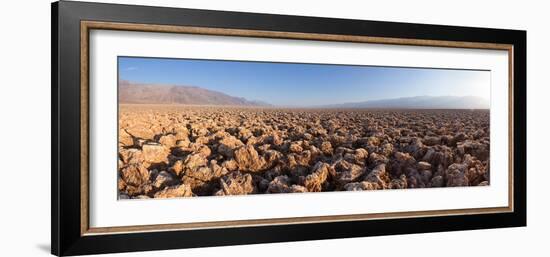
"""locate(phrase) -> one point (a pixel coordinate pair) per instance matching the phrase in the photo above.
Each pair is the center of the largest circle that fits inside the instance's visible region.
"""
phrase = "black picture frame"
(66, 237)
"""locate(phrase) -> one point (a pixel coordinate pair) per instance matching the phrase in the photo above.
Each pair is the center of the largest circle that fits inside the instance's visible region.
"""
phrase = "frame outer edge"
(67, 120)
(520, 124)
(65, 15)
(55, 230)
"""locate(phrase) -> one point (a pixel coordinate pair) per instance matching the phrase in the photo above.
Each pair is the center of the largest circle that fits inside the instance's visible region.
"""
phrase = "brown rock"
(401, 163)
(358, 156)
(155, 153)
(228, 145)
(181, 134)
(361, 186)
(121, 185)
(387, 150)
(177, 167)
(296, 147)
(183, 143)
(431, 140)
(425, 176)
(484, 183)
(198, 131)
(280, 184)
(326, 148)
(199, 187)
(236, 183)
(247, 159)
(194, 161)
(400, 183)
(281, 148)
(217, 170)
(298, 189)
(164, 179)
(276, 140)
(141, 131)
(201, 173)
(124, 138)
(437, 181)
(202, 150)
(377, 159)
(244, 133)
(477, 149)
(230, 165)
(304, 158)
(456, 175)
(378, 176)
(131, 156)
(315, 180)
(424, 166)
(134, 174)
(347, 172)
(373, 141)
(459, 137)
(168, 141)
(271, 158)
(182, 190)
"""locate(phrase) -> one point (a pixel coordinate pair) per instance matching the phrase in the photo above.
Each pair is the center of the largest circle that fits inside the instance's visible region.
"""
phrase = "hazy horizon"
(306, 85)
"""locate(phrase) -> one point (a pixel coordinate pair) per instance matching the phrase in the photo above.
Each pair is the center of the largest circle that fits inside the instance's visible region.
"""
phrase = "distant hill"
(421, 102)
(135, 93)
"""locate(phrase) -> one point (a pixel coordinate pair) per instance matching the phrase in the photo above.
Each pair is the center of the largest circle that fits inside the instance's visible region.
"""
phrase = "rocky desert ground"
(185, 151)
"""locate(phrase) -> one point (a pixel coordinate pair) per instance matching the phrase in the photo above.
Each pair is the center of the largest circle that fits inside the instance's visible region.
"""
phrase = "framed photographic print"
(177, 128)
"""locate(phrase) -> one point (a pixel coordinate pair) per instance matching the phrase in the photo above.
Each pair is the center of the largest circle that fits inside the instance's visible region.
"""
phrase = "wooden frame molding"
(87, 26)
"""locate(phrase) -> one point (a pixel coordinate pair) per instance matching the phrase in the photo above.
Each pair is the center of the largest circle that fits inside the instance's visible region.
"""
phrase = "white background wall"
(25, 127)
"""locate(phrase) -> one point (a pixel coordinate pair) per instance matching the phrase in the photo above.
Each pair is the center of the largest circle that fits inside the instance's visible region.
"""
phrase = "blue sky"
(289, 84)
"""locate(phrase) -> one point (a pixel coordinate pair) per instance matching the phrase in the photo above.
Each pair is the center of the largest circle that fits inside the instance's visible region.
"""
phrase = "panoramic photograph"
(190, 127)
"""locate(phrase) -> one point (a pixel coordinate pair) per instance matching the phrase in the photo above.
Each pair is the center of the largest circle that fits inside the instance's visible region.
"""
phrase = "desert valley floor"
(183, 151)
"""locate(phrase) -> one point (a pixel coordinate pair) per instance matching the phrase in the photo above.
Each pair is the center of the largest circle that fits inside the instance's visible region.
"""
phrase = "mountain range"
(138, 93)
(421, 102)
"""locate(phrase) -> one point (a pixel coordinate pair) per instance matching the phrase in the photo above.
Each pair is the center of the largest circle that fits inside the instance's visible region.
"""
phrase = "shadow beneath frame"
(44, 247)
